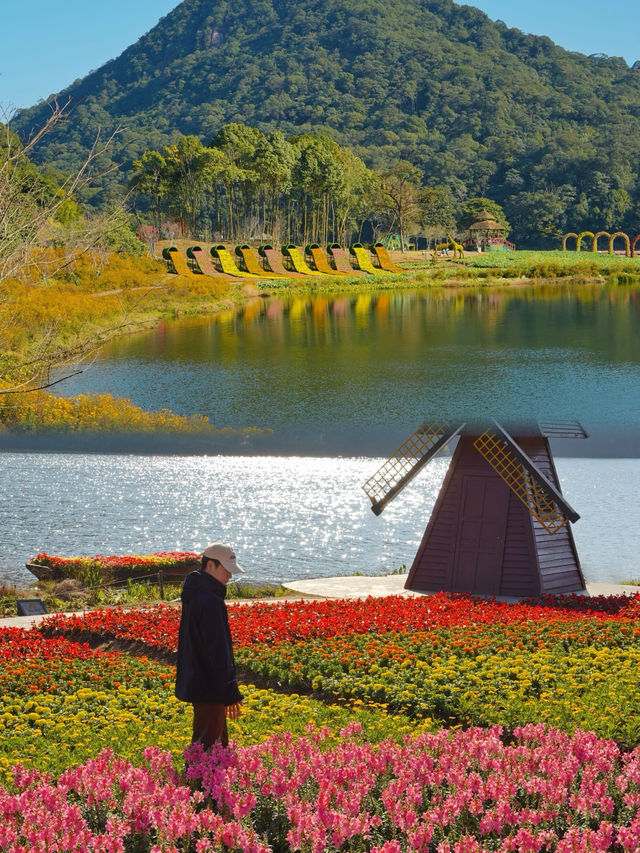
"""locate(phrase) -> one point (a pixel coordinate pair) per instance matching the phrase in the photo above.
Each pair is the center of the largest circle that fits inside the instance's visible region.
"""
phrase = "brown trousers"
(210, 724)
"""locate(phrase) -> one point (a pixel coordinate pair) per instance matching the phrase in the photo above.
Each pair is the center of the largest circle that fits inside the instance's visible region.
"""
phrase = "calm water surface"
(287, 517)
(354, 373)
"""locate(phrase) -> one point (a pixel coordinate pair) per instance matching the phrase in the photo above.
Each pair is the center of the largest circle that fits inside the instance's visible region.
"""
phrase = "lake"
(355, 373)
(287, 517)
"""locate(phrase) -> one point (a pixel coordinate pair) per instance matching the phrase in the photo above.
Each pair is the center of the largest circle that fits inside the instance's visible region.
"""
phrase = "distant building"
(487, 235)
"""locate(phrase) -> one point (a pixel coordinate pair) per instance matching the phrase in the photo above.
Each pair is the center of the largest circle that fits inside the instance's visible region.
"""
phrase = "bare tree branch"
(29, 203)
(42, 387)
(26, 206)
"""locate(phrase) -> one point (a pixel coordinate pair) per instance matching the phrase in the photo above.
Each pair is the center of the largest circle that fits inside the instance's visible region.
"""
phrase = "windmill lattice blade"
(401, 463)
(562, 429)
(499, 455)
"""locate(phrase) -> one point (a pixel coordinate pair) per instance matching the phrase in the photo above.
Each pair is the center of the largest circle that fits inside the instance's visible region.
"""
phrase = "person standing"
(205, 670)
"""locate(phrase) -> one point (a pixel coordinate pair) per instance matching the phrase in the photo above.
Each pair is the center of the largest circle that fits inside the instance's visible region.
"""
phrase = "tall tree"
(190, 169)
(239, 143)
(274, 161)
(318, 176)
(150, 178)
(353, 202)
(401, 191)
(437, 207)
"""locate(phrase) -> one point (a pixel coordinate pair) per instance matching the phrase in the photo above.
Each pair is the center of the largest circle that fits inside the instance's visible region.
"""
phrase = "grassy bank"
(61, 321)
(549, 265)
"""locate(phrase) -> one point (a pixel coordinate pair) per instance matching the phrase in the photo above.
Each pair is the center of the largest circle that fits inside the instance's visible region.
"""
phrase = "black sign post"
(30, 606)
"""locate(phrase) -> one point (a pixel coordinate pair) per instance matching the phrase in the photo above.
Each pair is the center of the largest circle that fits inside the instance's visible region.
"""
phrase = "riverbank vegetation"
(68, 281)
(70, 595)
(440, 723)
(557, 264)
(60, 308)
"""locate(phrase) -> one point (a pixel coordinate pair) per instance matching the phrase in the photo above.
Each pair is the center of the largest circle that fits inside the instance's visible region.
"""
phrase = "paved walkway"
(357, 586)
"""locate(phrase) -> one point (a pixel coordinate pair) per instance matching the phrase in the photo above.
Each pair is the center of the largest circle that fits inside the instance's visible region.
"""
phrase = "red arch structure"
(634, 243)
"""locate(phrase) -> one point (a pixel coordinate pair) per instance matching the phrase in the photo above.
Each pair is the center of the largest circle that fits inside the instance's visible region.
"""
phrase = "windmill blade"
(562, 429)
(403, 465)
(526, 481)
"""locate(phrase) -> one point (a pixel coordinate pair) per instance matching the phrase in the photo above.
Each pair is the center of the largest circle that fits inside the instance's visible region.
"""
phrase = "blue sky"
(45, 46)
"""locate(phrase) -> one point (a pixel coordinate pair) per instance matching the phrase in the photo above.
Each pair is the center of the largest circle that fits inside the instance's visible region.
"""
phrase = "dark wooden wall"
(558, 561)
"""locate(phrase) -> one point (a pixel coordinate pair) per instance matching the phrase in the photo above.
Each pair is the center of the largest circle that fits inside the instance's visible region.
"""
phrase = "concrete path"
(29, 621)
(360, 587)
(357, 586)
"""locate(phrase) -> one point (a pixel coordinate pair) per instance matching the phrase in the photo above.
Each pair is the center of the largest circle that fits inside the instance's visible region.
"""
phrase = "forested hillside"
(552, 136)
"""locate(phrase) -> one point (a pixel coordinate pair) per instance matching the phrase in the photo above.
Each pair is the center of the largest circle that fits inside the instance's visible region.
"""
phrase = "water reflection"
(355, 363)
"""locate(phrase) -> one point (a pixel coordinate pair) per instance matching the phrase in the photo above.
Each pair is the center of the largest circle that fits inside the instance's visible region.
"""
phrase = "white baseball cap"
(223, 554)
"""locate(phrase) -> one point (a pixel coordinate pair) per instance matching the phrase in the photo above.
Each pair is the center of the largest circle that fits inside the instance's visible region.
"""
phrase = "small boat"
(45, 573)
(178, 568)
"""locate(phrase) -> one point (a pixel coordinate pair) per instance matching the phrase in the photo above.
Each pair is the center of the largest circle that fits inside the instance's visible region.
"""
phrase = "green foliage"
(247, 184)
(121, 237)
(485, 110)
(437, 210)
(401, 194)
(473, 208)
(555, 265)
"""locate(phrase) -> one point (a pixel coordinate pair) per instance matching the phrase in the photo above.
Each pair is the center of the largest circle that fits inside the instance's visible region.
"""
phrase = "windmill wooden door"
(480, 536)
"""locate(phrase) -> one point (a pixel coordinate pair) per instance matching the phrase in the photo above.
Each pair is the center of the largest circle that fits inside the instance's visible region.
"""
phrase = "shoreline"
(604, 443)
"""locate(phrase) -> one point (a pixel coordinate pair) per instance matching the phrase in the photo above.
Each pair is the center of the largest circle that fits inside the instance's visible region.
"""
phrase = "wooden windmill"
(500, 525)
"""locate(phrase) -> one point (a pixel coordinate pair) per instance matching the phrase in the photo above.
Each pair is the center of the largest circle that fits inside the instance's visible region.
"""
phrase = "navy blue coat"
(205, 670)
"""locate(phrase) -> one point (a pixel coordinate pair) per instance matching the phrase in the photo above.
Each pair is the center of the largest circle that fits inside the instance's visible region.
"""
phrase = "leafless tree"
(28, 205)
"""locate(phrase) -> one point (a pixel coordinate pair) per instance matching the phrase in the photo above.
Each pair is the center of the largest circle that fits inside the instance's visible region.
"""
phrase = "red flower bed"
(18, 644)
(127, 564)
(303, 620)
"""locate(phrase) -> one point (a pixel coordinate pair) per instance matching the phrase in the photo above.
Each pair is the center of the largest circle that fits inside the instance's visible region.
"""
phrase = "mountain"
(552, 135)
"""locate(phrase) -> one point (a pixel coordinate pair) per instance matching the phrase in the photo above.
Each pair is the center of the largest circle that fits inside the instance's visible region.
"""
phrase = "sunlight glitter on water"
(287, 517)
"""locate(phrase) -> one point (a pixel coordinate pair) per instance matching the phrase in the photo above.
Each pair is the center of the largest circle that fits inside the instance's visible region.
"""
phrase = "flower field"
(62, 702)
(461, 793)
(441, 724)
(460, 660)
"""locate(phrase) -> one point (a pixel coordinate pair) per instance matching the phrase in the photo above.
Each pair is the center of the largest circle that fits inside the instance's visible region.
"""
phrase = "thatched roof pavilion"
(486, 223)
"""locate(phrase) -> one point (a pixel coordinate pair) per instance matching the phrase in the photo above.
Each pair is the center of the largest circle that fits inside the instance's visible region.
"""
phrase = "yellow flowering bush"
(40, 412)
